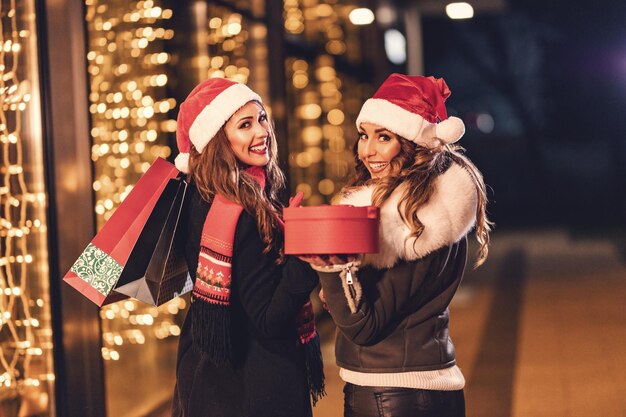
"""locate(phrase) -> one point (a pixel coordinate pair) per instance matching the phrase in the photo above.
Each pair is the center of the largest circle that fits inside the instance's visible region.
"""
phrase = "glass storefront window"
(26, 361)
(131, 126)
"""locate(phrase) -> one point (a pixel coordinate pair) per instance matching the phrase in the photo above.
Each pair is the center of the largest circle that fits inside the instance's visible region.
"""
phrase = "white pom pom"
(182, 162)
(450, 130)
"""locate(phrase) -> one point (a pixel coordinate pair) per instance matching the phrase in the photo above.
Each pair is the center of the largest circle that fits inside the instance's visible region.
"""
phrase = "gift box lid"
(327, 212)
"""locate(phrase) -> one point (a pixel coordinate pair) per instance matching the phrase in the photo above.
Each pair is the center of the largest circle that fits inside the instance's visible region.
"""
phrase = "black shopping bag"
(156, 271)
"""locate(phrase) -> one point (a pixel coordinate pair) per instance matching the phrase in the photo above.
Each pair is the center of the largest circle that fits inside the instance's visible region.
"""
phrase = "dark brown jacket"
(401, 319)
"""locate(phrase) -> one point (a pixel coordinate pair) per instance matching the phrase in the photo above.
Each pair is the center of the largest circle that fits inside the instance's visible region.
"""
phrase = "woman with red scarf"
(249, 345)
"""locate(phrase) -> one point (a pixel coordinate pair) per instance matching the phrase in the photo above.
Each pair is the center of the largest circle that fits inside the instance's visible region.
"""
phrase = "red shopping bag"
(97, 270)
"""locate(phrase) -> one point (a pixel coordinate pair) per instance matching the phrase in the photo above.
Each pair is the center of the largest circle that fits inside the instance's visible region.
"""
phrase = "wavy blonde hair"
(419, 167)
(216, 170)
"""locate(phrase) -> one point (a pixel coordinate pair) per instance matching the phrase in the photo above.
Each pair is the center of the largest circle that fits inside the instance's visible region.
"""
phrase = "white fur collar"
(447, 217)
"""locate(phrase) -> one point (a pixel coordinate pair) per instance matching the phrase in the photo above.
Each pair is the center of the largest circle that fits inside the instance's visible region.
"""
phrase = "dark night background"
(552, 74)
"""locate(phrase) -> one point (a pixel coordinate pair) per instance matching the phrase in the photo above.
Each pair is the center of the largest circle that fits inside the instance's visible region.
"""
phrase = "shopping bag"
(97, 270)
(156, 270)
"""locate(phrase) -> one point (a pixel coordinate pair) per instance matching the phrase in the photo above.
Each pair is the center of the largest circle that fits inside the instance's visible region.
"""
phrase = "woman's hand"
(323, 299)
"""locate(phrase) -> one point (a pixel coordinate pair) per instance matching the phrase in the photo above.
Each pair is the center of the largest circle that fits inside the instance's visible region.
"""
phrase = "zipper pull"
(349, 280)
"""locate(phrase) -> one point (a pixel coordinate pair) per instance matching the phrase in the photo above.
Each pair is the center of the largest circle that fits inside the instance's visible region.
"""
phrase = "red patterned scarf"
(211, 292)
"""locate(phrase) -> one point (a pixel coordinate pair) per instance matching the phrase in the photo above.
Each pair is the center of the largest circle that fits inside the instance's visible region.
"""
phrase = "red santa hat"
(413, 107)
(205, 111)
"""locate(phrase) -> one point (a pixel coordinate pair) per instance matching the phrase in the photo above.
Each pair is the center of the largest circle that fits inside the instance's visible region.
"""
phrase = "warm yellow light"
(305, 189)
(312, 135)
(335, 117)
(303, 160)
(315, 154)
(326, 186)
(151, 135)
(361, 16)
(300, 80)
(324, 10)
(460, 10)
(161, 80)
(325, 73)
(234, 28)
(299, 65)
(215, 22)
(310, 111)
(335, 47)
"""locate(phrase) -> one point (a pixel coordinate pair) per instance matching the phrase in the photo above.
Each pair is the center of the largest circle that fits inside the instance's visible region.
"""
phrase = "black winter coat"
(268, 375)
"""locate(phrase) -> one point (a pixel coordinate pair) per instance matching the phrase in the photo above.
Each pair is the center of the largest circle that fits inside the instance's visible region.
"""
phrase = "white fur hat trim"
(182, 162)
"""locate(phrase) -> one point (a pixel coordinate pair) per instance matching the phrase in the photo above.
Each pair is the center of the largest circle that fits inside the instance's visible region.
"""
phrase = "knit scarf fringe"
(210, 329)
(315, 368)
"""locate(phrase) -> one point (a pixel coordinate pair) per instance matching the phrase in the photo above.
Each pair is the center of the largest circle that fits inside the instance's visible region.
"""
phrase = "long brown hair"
(218, 171)
(419, 167)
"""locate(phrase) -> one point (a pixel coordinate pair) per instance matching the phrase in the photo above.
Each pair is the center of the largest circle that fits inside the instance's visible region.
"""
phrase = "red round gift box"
(331, 230)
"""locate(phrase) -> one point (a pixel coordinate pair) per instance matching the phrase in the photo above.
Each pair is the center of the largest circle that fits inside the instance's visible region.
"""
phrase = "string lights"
(26, 369)
(236, 48)
(141, 324)
(227, 45)
(323, 101)
(131, 125)
(130, 109)
(129, 105)
(322, 22)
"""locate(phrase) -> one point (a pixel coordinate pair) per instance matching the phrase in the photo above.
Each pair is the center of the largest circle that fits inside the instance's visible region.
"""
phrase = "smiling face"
(377, 147)
(248, 132)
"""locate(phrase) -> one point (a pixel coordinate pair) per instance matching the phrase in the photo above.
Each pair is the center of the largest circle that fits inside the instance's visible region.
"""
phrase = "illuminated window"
(26, 367)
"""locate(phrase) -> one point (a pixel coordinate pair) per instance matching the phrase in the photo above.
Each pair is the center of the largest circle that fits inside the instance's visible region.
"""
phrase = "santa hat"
(413, 107)
(205, 111)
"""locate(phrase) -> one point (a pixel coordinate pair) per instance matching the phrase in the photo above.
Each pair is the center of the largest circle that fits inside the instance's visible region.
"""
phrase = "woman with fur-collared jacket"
(391, 308)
